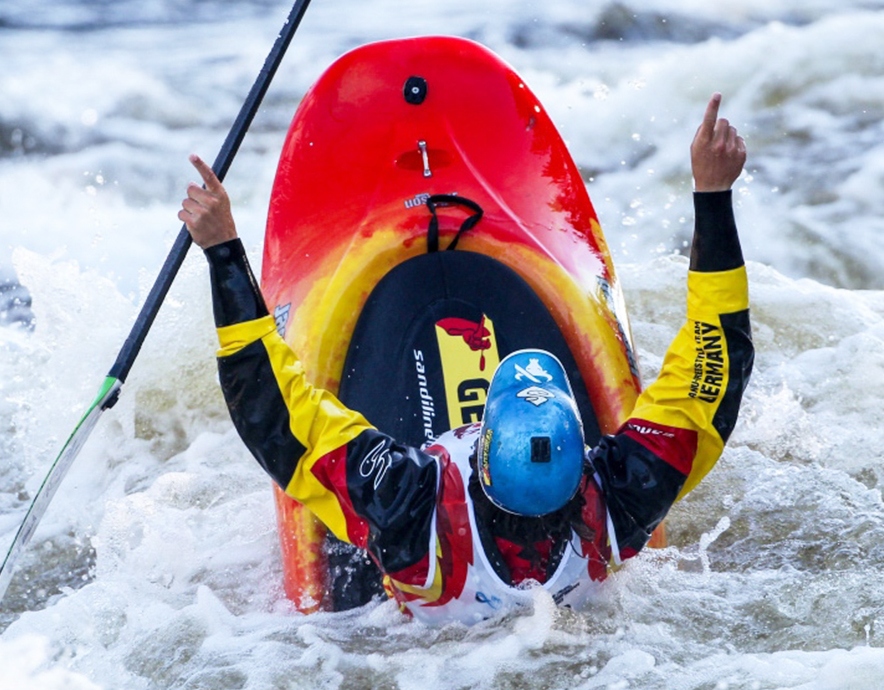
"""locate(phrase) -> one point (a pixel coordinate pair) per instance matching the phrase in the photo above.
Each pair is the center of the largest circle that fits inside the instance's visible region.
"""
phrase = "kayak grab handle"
(446, 200)
(422, 145)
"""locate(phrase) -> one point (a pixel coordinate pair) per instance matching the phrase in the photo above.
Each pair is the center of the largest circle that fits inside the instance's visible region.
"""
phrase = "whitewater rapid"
(157, 564)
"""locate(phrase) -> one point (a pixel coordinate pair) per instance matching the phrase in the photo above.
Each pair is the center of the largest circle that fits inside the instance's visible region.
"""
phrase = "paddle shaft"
(150, 308)
(110, 389)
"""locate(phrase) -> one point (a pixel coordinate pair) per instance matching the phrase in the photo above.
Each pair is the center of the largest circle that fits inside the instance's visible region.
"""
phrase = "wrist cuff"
(716, 245)
(236, 296)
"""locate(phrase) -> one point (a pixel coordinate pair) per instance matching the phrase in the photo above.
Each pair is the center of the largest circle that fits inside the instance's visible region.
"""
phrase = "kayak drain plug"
(415, 90)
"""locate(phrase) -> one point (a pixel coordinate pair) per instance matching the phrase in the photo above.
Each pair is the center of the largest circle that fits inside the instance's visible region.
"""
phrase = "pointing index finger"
(211, 180)
(710, 117)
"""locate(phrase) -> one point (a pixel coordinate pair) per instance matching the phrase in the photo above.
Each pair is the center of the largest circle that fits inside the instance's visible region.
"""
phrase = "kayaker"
(462, 526)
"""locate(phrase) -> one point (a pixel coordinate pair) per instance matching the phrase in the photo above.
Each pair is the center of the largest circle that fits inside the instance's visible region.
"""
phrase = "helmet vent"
(540, 449)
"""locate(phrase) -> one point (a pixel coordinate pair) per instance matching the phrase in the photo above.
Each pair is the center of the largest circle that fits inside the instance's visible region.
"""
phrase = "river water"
(157, 564)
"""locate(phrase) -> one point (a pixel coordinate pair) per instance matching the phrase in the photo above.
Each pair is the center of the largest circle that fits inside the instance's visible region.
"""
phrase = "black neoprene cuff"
(716, 245)
(236, 296)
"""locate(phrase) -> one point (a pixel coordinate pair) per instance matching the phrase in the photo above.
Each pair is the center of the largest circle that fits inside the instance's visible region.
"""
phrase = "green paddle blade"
(107, 396)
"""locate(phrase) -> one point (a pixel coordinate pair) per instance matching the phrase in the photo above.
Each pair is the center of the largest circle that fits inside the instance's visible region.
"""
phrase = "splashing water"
(157, 564)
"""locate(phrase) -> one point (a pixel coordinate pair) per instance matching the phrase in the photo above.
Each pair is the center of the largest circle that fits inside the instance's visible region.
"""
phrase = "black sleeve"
(716, 244)
(259, 411)
(394, 488)
(638, 486)
(236, 296)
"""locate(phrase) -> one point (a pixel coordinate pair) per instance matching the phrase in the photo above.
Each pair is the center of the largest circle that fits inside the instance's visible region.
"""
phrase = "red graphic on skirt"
(474, 334)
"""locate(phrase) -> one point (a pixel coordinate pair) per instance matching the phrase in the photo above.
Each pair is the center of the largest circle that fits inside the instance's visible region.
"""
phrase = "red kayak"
(427, 219)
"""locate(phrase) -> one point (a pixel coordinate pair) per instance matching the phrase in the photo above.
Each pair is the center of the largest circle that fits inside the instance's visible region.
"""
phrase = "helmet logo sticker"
(533, 372)
(535, 395)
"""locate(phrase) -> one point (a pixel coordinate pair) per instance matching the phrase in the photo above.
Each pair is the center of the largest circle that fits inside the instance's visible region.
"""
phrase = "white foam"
(162, 539)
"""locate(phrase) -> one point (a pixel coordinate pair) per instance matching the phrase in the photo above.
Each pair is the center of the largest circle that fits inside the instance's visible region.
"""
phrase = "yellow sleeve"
(287, 423)
(706, 368)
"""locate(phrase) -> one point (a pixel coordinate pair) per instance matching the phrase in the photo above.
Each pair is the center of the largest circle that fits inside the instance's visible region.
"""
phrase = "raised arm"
(680, 423)
(365, 487)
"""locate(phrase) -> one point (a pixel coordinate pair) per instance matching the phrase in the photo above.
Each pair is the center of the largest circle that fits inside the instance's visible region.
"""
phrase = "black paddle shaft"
(150, 308)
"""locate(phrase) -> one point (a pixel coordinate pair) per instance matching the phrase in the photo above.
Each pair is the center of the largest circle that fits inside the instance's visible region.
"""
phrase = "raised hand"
(206, 211)
(718, 153)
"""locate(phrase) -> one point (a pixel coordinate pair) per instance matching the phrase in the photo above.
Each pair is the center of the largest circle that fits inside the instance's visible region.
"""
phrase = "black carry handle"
(150, 308)
(468, 224)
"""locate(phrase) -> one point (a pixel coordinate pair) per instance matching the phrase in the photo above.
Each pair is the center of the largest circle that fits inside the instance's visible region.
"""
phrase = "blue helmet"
(531, 448)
